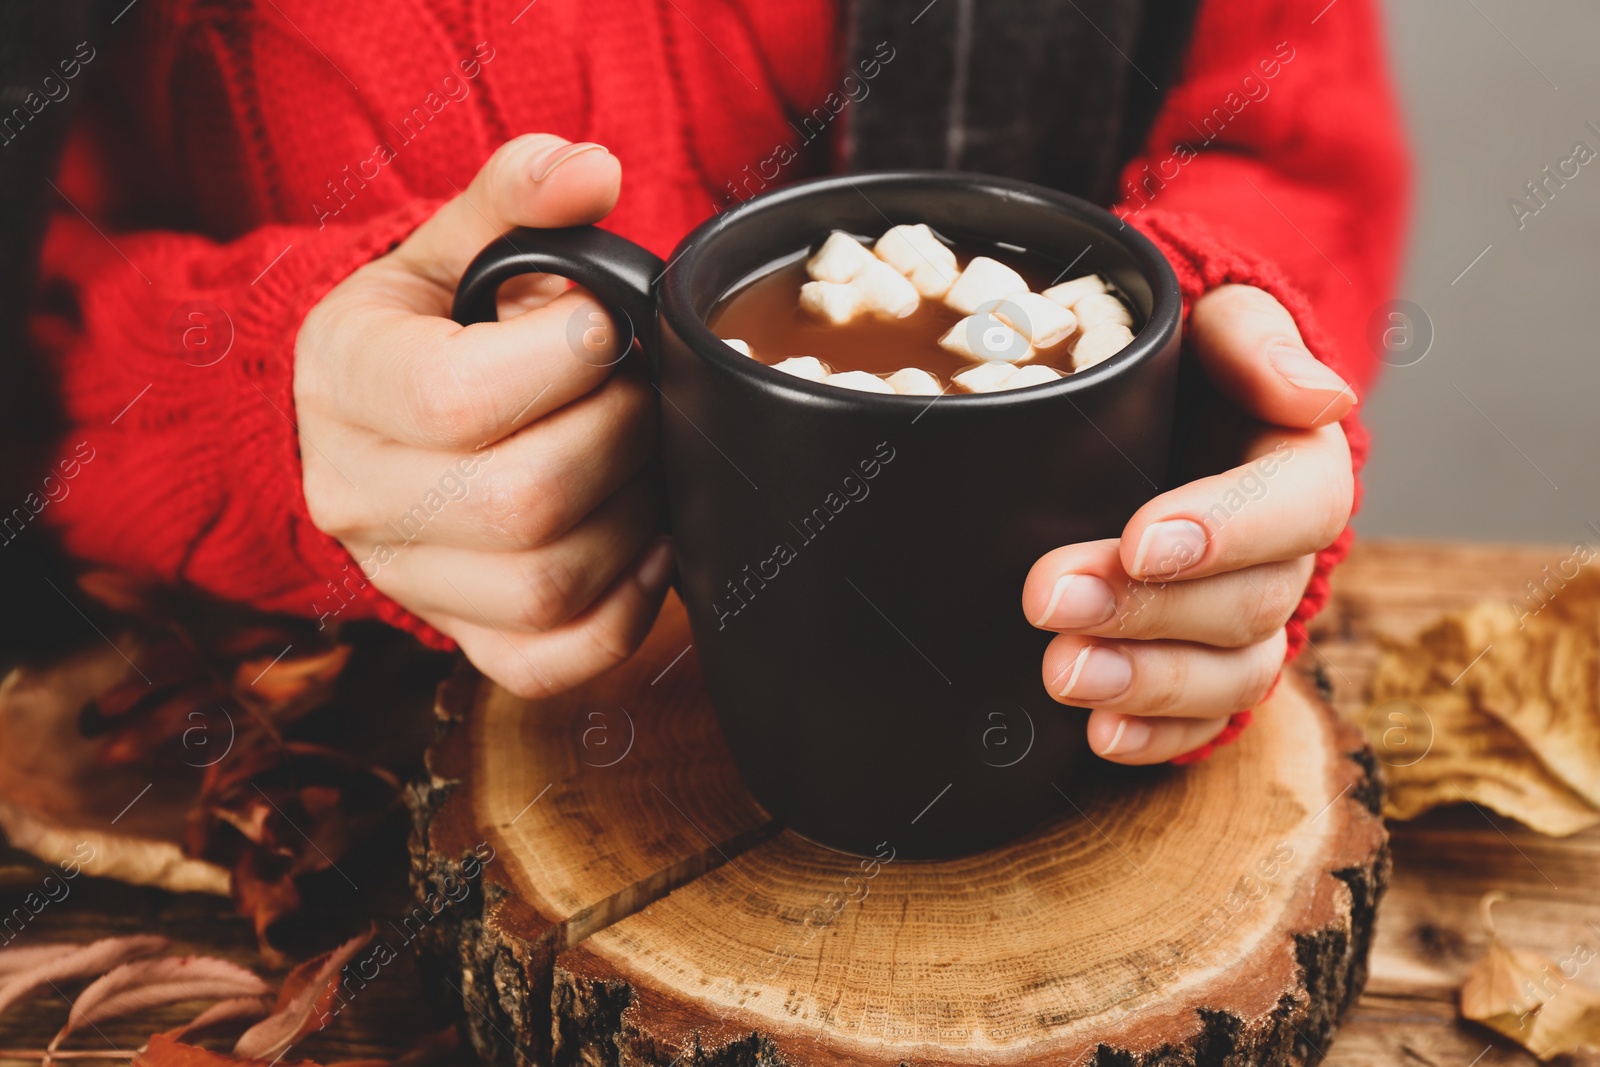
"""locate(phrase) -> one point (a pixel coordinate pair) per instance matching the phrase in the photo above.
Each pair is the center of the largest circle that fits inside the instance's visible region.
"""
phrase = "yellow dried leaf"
(1438, 749)
(1528, 998)
(1543, 681)
(1497, 705)
(1503, 991)
(1568, 1022)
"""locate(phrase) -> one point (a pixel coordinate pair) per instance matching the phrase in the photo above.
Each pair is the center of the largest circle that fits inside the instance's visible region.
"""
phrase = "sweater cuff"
(1204, 262)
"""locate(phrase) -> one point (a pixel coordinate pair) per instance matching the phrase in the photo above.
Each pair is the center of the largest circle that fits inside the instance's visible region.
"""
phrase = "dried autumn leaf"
(141, 984)
(1508, 700)
(164, 1051)
(1527, 998)
(304, 1002)
(1468, 756)
(1568, 1022)
(125, 593)
(278, 680)
(1545, 681)
(13, 960)
(89, 961)
(235, 1009)
(1496, 991)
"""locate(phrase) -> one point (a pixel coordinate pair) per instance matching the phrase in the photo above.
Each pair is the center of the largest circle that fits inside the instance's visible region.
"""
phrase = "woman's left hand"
(1171, 628)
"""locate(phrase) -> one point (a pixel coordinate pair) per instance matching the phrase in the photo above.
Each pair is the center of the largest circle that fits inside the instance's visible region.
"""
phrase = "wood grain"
(1427, 936)
(1221, 910)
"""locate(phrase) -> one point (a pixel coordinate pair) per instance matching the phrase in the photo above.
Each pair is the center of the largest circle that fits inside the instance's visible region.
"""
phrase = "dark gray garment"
(1060, 92)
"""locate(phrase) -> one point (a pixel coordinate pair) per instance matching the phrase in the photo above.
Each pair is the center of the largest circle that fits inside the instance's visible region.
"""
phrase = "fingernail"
(1077, 600)
(546, 162)
(1131, 737)
(1099, 673)
(1301, 368)
(1169, 548)
(657, 566)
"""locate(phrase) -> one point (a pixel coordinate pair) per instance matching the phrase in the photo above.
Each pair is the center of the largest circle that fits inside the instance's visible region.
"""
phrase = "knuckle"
(522, 503)
(546, 592)
(1266, 663)
(1277, 591)
(616, 638)
(1163, 681)
(445, 411)
(328, 502)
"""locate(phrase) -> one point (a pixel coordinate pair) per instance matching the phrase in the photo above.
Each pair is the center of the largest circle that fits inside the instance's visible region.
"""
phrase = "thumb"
(538, 179)
(1252, 350)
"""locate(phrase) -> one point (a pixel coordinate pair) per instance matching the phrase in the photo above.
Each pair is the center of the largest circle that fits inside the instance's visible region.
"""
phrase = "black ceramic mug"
(852, 563)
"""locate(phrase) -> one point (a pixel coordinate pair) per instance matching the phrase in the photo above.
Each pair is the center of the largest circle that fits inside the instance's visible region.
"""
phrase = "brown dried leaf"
(1497, 706)
(234, 1009)
(1544, 681)
(291, 678)
(1568, 1022)
(164, 1051)
(1528, 998)
(88, 961)
(303, 1004)
(132, 987)
(1502, 991)
(13, 960)
(1469, 756)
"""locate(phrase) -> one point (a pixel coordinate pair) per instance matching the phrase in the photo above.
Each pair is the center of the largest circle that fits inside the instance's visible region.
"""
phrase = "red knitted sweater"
(232, 176)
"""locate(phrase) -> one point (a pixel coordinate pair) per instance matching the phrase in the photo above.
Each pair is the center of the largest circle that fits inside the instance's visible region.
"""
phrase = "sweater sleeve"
(174, 356)
(1278, 161)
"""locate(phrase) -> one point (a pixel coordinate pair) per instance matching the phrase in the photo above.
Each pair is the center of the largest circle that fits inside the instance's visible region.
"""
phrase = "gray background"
(1515, 335)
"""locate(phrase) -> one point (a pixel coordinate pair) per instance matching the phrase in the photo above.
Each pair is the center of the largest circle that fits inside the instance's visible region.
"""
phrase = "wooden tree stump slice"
(647, 912)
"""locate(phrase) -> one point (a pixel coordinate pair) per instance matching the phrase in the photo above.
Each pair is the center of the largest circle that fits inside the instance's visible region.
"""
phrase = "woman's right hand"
(492, 479)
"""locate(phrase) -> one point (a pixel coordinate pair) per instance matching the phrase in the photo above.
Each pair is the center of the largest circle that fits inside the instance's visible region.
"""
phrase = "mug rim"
(1166, 307)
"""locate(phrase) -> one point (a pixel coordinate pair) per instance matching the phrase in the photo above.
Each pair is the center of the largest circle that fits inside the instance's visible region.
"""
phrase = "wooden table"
(1428, 933)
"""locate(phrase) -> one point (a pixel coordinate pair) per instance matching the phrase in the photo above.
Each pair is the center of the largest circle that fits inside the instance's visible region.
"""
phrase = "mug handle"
(620, 273)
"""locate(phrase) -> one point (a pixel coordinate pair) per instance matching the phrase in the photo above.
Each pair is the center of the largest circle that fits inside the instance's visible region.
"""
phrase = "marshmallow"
(835, 301)
(885, 291)
(808, 367)
(840, 259)
(741, 347)
(983, 281)
(1099, 343)
(1069, 293)
(914, 381)
(984, 378)
(984, 338)
(859, 379)
(1033, 374)
(915, 252)
(1043, 322)
(1098, 308)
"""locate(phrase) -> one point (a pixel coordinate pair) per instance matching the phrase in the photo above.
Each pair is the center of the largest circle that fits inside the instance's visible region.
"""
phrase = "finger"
(537, 665)
(532, 591)
(538, 180)
(528, 591)
(1292, 498)
(520, 493)
(1171, 679)
(1252, 349)
(429, 382)
(1083, 589)
(1137, 742)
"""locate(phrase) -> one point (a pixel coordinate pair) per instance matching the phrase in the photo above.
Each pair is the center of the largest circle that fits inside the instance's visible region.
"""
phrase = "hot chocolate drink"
(917, 315)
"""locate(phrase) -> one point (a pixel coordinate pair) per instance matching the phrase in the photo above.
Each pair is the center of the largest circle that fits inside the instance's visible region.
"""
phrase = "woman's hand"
(1171, 628)
(490, 478)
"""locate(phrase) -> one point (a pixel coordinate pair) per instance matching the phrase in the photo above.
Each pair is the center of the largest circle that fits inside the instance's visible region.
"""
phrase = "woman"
(262, 212)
